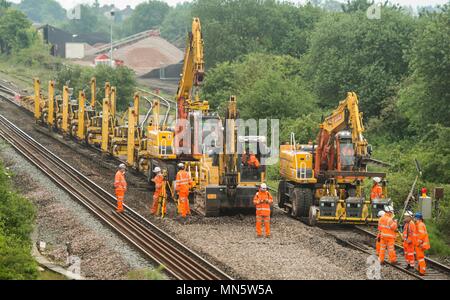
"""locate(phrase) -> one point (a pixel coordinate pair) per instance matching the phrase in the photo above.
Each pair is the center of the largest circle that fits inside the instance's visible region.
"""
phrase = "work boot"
(395, 263)
(259, 236)
(382, 263)
(119, 211)
(408, 267)
(268, 236)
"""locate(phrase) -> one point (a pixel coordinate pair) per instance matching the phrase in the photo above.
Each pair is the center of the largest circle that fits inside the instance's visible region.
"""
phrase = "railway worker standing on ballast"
(120, 185)
(159, 184)
(388, 228)
(409, 239)
(263, 200)
(380, 215)
(422, 243)
(182, 185)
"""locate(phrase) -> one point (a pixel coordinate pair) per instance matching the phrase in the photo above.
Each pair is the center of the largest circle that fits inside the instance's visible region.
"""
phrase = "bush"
(16, 224)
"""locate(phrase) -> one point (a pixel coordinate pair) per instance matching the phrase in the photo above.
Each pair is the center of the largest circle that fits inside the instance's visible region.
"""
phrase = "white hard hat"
(377, 179)
(409, 213)
(380, 214)
(389, 208)
(263, 186)
(122, 166)
(157, 170)
(181, 165)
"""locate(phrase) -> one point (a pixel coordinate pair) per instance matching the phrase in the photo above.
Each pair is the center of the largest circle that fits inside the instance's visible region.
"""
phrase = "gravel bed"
(295, 251)
(60, 219)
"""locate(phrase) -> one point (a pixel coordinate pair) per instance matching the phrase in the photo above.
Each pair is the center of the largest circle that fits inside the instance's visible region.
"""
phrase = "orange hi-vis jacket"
(253, 161)
(119, 181)
(183, 182)
(422, 236)
(387, 227)
(158, 180)
(262, 201)
(376, 192)
(409, 233)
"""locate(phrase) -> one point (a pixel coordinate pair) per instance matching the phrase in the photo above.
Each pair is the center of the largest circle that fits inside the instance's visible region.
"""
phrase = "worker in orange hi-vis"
(377, 190)
(380, 215)
(159, 184)
(253, 161)
(120, 186)
(388, 227)
(409, 239)
(182, 186)
(263, 200)
(422, 243)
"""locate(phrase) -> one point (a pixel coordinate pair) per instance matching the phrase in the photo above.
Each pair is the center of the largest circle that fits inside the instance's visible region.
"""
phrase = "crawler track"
(179, 261)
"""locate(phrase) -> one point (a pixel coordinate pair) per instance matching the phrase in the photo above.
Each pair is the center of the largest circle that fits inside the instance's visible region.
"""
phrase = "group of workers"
(262, 200)
(183, 184)
(415, 238)
(414, 234)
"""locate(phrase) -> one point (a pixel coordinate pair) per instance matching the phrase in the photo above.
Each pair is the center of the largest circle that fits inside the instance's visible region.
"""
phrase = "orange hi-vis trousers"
(120, 194)
(156, 199)
(378, 239)
(409, 253)
(420, 256)
(388, 243)
(183, 205)
(259, 221)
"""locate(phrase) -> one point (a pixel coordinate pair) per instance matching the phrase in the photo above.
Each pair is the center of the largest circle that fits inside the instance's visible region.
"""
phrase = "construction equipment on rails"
(226, 182)
(323, 183)
(222, 181)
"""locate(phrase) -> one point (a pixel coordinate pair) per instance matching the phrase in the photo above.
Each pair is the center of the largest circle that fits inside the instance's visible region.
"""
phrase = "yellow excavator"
(226, 182)
(323, 182)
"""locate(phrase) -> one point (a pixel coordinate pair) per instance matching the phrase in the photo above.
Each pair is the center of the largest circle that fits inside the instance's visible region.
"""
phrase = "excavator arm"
(345, 117)
(192, 75)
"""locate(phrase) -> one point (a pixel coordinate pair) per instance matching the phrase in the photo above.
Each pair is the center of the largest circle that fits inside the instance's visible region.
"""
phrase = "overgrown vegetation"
(147, 274)
(16, 224)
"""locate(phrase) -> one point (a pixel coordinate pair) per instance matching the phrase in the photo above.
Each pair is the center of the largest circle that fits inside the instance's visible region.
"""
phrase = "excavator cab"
(345, 150)
(249, 162)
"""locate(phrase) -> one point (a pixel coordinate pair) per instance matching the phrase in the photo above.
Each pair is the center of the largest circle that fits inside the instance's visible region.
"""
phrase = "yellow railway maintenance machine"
(323, 183)
(94, 127)
(226, 184)
(155, 147)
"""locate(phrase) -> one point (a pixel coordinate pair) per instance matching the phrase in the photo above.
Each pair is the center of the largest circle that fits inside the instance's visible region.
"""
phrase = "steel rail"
(134, 220)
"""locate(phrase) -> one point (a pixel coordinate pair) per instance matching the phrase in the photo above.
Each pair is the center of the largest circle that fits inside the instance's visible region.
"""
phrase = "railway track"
(435, 270)
(179, 261)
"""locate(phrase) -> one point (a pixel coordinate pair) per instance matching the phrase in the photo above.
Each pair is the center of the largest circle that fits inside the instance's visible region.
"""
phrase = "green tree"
(43, 11)
(232, 28)
(350, 52)
(146, 16)
(15, 30)
(177, 23)
(4, 4)
(90, 22)
(356, 5)
(425, 96)
(266, 86)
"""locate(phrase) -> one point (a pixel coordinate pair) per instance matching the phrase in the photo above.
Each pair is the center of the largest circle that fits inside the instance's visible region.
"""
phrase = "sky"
(123, 3)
